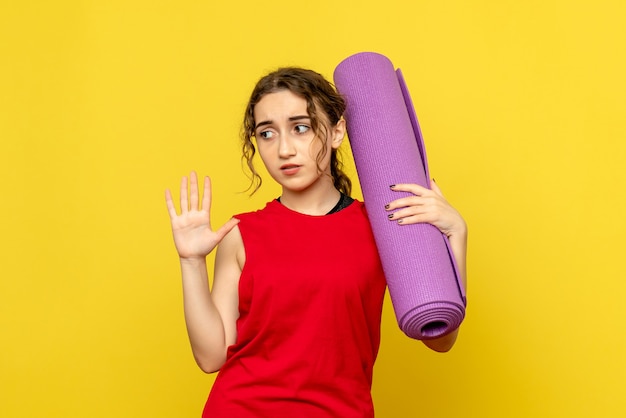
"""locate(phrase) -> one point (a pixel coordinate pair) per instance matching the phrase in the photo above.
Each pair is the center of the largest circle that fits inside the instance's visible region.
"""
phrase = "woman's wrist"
(459, 233)
(196, 261)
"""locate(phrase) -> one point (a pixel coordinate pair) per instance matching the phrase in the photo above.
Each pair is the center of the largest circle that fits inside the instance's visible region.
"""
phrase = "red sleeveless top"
(310, 302)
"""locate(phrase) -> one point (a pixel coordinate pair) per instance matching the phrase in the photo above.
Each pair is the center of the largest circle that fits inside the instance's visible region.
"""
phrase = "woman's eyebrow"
(290, 119)
(265, 122)
(299, 117)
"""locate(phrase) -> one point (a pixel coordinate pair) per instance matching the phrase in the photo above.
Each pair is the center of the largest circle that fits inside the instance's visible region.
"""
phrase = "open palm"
(192, 231)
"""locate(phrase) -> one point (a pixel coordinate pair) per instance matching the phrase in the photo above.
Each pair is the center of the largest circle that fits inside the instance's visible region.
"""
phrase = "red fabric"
(310, 302)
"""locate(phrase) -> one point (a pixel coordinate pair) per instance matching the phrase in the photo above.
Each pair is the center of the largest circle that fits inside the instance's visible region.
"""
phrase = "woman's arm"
(209, 318)
(430, 206)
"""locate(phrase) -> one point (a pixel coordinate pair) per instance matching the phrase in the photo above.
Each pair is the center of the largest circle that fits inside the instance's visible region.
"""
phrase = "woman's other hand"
(426, 206)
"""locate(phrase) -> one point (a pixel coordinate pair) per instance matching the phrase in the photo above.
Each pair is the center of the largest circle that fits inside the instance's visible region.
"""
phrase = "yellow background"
(104, 104)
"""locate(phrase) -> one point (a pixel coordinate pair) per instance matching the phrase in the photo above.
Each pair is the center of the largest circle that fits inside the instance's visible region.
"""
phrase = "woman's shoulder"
(270, 207)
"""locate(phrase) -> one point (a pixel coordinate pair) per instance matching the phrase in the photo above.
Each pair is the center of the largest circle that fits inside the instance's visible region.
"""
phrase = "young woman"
(293, 318)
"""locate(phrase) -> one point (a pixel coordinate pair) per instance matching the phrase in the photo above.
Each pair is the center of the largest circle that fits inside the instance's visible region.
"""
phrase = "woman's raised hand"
(426, 205)
(192, 231)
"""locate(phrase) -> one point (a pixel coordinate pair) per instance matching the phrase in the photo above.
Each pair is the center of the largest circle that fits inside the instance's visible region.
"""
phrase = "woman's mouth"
(289, 169)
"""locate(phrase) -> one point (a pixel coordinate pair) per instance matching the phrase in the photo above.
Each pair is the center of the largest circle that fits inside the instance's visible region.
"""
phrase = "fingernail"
(386, 206)
(399, 221)
(390, 215)
(392, 186)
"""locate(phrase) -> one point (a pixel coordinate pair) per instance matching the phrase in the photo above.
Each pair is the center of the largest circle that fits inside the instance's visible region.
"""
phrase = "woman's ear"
(338, 133)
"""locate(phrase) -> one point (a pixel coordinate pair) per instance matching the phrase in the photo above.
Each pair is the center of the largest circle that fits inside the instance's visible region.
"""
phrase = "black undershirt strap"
(344, 202)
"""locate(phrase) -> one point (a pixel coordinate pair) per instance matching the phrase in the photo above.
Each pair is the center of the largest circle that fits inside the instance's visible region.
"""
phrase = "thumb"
(435, 187)
(226, 228)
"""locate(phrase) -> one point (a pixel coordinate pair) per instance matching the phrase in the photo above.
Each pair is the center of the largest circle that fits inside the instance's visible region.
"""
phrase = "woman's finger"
(415, 219)
(405, 202)
(416, 189)
(184, 203)
(435, 188)
(402, 213)
(206, 195)
(193, 191)
(170, 204)
(225, 229)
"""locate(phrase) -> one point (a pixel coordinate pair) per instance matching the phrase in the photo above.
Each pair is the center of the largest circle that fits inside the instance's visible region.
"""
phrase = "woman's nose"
(286, 147)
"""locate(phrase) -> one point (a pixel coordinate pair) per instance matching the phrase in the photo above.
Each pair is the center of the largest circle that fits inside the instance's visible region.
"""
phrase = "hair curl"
(325, 107)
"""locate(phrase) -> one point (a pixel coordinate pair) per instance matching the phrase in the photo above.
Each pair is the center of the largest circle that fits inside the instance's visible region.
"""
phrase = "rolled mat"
(424, 283)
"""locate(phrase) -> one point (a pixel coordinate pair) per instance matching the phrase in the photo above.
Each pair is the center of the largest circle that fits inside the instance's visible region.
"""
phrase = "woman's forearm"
(204, 324)
(458, 244)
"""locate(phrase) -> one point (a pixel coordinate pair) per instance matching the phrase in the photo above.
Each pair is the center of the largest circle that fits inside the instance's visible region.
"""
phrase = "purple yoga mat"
(424, 284)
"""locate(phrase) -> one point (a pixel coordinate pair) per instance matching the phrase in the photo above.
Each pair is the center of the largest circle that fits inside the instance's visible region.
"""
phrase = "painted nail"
(386, 206)
(399, 221)
(390, 215)
(392, 186)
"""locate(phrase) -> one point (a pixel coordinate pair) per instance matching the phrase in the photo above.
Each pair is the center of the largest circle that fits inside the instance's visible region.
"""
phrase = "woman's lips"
(289, 169)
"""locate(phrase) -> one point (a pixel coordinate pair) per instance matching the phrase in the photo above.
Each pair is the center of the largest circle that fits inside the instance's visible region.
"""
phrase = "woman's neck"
(314, 201)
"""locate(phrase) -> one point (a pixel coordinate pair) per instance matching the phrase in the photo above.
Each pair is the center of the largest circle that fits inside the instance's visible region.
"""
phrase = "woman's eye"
(302, 129)
(266, 134)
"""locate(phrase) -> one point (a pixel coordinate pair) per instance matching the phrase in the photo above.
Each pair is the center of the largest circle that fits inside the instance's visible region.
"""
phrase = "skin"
(288, 147)
(285, 139)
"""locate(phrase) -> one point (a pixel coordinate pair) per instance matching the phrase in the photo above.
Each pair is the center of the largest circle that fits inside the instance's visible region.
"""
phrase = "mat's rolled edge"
(422, 149)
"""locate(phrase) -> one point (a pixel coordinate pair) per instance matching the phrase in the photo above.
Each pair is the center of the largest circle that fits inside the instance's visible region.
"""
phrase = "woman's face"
(287, 144)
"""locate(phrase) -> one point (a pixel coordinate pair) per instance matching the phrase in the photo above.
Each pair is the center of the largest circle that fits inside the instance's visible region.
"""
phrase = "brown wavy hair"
(325, 107)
